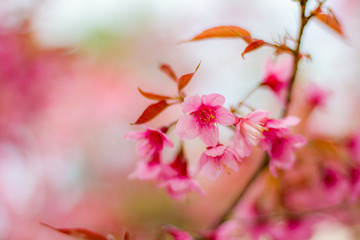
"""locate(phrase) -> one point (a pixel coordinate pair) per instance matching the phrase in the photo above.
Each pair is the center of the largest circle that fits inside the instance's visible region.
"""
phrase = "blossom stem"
(254, 176)
(264, 163)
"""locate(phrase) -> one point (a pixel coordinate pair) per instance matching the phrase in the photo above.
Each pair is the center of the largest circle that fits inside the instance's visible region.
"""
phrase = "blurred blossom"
(277, 78)
(316, 96)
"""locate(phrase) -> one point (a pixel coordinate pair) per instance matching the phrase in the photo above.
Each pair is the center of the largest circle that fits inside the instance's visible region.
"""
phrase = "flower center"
(206, 115)
(274, 83)
(155, 140)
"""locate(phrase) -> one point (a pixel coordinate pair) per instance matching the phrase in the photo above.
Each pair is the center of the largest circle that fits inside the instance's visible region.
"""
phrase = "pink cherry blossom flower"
(277, 78)
(334, 185)
(216, 159)
(280, 143)
(151, 141)
(316, 96)
(177, 234)
(248, 131)
(176, 179)
(205, 113)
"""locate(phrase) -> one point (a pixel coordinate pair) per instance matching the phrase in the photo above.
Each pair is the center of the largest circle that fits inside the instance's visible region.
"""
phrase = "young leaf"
(185, 79)
(330, 20)
(151, 111)
(168, 71)
(79, 233)
(252, 46)
(153, 96)
(224, 32)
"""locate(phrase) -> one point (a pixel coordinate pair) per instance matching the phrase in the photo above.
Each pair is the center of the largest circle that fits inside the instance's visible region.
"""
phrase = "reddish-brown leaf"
(126, 236)
(151, 111)
(79, 233)
(169, 71)
(252, 46)
(330, 20)
(224, 32)
(185, 79)
(152, 95)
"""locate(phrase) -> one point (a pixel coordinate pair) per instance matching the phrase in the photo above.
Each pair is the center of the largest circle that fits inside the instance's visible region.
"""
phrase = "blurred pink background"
(69, 72)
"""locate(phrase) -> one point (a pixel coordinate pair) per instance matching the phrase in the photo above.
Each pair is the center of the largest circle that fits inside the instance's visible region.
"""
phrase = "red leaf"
(126, 236)
(224, 31)
(169, 71)
(153, 96)
(151, 111)
(185, 79)
(79, 233)
(252, 46)
(330, 20)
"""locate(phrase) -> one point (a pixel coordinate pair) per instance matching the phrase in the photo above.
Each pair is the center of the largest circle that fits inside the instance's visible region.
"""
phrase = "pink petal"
(224, 116)
(230, 161)
(144, 149)
(228, 230)
(284, 69)
(285, 160)
(213, 99)
(178, 188)
(178, 234)
(212, 170)
(241, 146)
(209, 135)
(202, 161)
(191, 103)
(215, 151)
(167, 141)
(269, 67)
(145, 171)
(257, 116)
(135, 135)
(290, 121)
(187, 128)
(298, 141)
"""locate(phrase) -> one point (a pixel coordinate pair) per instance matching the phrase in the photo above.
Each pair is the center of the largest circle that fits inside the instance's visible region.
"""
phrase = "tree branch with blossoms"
(202, 116)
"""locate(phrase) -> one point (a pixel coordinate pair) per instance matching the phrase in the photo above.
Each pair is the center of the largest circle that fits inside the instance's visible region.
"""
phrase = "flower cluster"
(202, 117)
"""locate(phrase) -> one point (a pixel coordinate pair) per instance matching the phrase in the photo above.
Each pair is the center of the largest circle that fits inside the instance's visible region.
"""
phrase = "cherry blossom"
(204, 115)
(248, 131)
(316, 96)
(334, 185)
(177, 180)
(280, 143)
(151, 141)
(277, 78)
(216, 159)
(147, 170)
